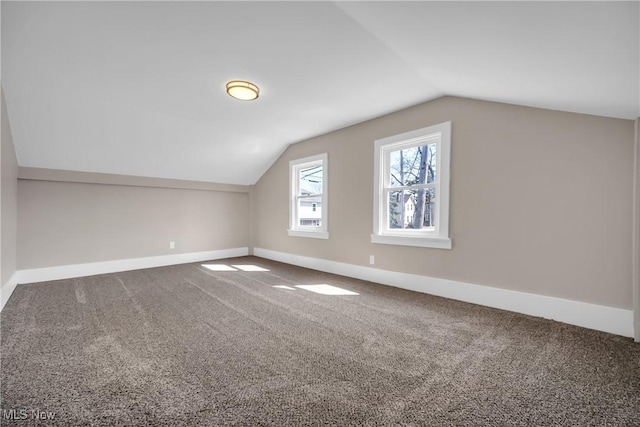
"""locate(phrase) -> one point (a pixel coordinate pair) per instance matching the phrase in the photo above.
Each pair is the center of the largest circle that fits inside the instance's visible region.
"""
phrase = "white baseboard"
(7, 289)
(602, 318)
(93, 268)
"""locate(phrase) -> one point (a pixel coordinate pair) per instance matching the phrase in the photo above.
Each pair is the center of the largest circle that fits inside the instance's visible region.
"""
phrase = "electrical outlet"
(172, 245)
(372, 259)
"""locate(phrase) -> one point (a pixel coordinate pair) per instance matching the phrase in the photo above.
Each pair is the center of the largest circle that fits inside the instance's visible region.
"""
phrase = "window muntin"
(308, 197)
(411, 198)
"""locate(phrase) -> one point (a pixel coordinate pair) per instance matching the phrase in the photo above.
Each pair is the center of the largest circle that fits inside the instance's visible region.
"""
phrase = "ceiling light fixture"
(242, 90)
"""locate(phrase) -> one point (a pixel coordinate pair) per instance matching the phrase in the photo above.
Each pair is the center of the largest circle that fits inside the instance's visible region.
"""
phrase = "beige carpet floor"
(188, 346)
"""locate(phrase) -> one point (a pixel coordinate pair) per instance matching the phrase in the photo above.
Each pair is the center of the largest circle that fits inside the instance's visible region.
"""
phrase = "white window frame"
(295, 166)
(438, 236)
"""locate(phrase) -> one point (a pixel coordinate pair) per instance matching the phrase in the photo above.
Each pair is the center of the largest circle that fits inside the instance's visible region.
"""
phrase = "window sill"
(423, 242)
(311, 234)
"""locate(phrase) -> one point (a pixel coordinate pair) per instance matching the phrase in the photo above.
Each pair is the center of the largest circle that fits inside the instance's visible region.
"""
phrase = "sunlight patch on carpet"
(326, 289)
(218, 267)
(249, 268)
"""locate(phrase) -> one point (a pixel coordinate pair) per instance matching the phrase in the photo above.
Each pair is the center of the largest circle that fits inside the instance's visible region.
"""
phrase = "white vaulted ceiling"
(137, 88)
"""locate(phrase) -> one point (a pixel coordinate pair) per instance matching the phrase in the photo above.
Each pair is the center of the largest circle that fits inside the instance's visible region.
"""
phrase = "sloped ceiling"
(137, 88)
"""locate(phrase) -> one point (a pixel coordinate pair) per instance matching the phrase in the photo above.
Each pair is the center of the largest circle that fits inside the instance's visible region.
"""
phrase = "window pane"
(407, 207)
(310, 211)
(428, 208)
(401, 209)
(310, 180)
(413, 165)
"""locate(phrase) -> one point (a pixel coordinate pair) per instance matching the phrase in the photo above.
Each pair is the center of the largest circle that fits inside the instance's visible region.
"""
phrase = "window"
(411, 195)
(308, 197)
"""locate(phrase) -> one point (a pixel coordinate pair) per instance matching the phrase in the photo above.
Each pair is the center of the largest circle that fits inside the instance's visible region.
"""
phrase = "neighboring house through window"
(411, 196)
(308, 197)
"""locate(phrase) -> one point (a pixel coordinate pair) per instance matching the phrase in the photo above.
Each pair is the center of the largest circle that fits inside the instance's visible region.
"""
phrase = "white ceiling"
(137, 88)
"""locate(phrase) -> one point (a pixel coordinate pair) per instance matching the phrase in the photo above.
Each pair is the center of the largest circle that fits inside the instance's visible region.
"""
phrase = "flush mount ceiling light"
(242, 90)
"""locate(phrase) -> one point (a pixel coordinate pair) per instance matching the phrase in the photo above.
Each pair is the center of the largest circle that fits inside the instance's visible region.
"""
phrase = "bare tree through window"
(413, 172)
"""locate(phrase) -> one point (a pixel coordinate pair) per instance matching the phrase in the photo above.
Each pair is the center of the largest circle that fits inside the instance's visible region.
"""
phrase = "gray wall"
(540, 200)
(63, 223)
(636, 234)
(8, 202)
